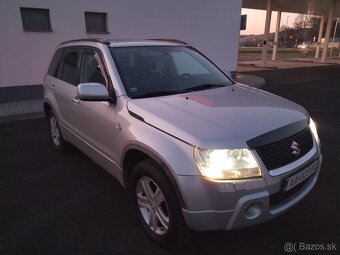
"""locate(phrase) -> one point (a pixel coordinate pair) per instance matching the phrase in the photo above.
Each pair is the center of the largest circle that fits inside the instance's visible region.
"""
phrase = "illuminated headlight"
(226, 164)
(312, 127)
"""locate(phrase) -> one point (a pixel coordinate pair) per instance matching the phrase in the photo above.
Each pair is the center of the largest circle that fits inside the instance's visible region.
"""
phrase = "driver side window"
(92, 68)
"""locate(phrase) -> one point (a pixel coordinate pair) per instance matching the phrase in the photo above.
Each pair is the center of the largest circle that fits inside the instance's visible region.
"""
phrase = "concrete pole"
(266, 32)
(336, 26)
(276, 40)
(317, 52)
(328, 31)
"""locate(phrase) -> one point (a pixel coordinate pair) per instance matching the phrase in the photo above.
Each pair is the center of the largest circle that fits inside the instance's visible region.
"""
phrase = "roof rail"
(167, 40)
(97, 40)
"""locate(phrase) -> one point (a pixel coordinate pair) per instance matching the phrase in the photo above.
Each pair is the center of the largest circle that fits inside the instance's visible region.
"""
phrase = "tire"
(56, 136)
(157, 205)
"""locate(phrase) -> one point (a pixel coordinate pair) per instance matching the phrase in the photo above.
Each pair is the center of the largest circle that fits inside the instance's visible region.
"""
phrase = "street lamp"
(284, 38)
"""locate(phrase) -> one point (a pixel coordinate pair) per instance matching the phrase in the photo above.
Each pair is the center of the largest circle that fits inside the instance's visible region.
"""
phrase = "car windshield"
(150, 71)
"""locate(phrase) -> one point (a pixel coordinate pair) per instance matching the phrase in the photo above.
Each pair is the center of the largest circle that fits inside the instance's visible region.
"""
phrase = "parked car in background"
(198, 150)
(304, 45)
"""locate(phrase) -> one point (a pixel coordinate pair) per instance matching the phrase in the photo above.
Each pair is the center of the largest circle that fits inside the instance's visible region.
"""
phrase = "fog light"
(253, 211)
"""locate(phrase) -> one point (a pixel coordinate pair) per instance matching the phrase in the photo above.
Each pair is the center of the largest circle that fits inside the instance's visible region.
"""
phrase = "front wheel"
(157, 205)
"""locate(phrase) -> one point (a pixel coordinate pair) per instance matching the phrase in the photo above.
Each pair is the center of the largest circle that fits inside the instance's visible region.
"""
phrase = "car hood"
(218, 118)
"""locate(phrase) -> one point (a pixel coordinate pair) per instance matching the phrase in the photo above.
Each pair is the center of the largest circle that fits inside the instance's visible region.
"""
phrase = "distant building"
(30, 30)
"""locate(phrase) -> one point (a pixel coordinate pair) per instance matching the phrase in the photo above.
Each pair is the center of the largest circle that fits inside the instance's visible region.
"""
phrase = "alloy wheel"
(152, 205)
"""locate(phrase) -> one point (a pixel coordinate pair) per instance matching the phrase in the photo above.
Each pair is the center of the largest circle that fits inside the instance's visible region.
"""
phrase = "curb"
(26, 116)
(19, 110)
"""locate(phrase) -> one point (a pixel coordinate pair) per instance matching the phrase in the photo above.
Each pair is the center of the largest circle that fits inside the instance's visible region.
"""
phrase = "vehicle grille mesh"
(280, 153)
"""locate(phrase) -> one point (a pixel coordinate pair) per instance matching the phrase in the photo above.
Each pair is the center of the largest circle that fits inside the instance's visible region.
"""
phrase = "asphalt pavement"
(53, 203)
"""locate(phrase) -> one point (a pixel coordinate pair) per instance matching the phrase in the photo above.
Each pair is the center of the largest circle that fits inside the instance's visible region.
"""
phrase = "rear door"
(65, 89)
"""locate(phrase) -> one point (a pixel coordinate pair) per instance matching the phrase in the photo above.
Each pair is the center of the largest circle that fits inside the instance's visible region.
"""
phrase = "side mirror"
(92, 92)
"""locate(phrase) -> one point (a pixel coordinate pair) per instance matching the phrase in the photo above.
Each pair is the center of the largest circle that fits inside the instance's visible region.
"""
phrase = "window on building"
(35, 20)
(95, 22)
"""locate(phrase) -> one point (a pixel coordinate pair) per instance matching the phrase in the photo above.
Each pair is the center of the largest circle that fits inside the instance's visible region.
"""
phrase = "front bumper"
(236, 204)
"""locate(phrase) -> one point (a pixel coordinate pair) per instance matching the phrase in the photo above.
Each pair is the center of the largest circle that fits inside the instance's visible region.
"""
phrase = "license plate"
(299, 177)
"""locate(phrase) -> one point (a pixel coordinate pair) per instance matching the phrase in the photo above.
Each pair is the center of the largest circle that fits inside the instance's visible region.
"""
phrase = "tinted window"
(52, 71)
(68, 67)
(91, 68)
(34, 19)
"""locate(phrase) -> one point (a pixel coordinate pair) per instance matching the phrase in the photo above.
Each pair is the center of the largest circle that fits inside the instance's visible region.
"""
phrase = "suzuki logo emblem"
(295, 147)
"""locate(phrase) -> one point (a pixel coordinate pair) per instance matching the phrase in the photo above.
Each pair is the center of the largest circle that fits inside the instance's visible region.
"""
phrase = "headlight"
(226, 164)
(312, 127)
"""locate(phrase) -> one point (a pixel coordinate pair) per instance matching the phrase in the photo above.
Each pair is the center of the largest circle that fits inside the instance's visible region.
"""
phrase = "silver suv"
(198, 150)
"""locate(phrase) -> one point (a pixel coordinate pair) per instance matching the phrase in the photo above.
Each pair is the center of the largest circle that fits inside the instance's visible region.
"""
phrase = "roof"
(128, 42)
(313, 7)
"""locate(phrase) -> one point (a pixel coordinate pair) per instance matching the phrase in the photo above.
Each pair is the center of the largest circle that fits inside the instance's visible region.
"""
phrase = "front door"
(95, 120)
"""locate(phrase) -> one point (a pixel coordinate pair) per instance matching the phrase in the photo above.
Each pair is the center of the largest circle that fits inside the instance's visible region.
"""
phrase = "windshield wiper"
(172, 92)
(205, 86)
(156, 94)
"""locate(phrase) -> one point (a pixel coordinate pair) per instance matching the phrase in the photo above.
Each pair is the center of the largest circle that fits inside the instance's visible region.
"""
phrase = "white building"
(31, 29)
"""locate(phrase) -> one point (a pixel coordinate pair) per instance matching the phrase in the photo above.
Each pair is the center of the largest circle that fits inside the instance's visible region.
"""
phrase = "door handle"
(53, 87)
(75, 100)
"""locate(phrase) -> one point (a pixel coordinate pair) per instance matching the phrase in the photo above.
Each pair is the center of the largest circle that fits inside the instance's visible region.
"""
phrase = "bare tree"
(301, 21)
(314, 22)
(307, 27)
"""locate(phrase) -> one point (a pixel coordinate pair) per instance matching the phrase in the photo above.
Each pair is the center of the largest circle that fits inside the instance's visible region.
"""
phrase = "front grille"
(280, 153)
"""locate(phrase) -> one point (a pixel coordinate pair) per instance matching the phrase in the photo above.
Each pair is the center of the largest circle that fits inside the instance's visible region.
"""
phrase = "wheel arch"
(133, 154)
(47, 108)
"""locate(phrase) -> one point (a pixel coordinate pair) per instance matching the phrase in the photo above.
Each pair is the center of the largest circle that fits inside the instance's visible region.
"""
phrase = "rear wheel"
(57, 138)
(157, 205)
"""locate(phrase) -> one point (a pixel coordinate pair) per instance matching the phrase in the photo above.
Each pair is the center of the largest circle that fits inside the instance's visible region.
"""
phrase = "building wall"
(212, 26)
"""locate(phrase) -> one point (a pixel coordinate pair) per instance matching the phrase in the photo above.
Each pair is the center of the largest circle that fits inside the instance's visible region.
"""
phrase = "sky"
(256, 20)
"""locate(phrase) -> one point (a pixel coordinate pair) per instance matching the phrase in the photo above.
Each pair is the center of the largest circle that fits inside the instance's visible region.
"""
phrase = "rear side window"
(52, 70)
(67, 70)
